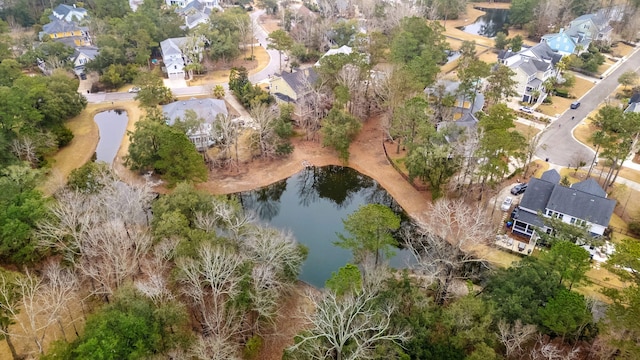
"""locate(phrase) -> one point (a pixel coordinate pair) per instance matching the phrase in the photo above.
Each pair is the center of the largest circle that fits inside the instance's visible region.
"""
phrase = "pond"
(112, 125)
(312, 205)
(489, 24)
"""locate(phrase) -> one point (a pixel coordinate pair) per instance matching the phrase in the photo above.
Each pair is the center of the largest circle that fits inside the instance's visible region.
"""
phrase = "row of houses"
(535, 65)
(64, 28)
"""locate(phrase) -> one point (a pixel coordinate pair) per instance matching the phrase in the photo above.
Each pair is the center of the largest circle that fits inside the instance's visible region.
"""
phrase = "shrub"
(252, 347)
(634, 228)
(562, 93)
(63, 135)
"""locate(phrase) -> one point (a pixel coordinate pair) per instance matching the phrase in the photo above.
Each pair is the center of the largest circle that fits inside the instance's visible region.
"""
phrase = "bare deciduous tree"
(264, 135)
(210, 281)
(514, 336)
(448, 244)
(346, 328)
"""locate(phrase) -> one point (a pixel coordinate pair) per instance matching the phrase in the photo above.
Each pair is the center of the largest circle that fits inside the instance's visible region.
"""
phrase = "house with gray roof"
(295, 88)
(584, 203)
(594, 26)
(204, 135)
(195, 13)
(68, 13)
(533, 66)
(177, 53)
(81, 56)
(68, 32)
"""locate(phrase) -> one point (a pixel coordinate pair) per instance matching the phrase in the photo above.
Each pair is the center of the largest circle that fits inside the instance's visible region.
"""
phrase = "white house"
(175, 55)
(68, 13)
(206, 109)
(533, 66)
(81, 56)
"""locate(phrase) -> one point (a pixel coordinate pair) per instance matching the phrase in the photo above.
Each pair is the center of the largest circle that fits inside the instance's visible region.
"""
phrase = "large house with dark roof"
(66, 32)
(584, 203)
(533, 66)
(207, 110)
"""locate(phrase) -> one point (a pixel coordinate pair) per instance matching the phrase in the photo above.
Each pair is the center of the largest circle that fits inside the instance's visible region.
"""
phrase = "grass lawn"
(538, 167)
(600, 278)
(621, 50)
(561, 104)
(221, 75)
(84, 142)
(513, 32)
(526, 130)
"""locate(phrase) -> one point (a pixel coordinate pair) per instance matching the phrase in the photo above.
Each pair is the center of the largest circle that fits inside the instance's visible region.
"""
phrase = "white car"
(526, 109)
(134, 89)
(506, 204)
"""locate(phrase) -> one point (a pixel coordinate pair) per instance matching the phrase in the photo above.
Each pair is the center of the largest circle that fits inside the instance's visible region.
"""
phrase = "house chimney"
(74, 6)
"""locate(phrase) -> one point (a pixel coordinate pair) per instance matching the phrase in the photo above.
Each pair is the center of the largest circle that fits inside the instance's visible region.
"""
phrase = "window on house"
(573, 220)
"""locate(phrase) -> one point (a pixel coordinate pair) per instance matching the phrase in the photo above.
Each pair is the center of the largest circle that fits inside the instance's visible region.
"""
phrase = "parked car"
(526, 109)
(519, 189)
(506, 204)
(575, 105)
(134, 89)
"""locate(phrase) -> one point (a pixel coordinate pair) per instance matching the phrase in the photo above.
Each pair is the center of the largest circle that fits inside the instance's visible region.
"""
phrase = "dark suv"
(519, 189)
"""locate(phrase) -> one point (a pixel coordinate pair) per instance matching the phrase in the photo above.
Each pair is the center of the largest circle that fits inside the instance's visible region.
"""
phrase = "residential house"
(196, 12)
(175, 55)
(295, 88)
(463, 105)
(68, 13)
(594, 26)
(81, 56)
(567, 44)
(341, 50)
(184, 3)
(584, 203)
(204, 136)
(68, 32)
(463, 123)
(634, 103)
(533, 66)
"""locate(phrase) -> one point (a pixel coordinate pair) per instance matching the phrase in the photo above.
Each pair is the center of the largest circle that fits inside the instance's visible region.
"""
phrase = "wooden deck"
(507, 242)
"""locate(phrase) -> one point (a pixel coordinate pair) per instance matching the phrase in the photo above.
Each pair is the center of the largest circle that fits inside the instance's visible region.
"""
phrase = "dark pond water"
(489, 24)
(312, 204)
(112, 124)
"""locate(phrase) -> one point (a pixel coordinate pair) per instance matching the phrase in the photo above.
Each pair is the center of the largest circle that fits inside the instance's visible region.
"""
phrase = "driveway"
(557, 143)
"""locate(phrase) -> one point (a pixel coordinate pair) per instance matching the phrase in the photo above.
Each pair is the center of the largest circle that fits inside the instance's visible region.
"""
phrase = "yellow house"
(67, 32)
(293, 88)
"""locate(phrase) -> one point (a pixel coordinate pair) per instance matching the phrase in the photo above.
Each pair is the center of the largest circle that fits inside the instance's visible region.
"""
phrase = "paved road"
(274, 56)
(557, 143)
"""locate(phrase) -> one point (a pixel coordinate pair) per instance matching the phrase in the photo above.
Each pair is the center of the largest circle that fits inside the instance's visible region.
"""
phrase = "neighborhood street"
(557, 142)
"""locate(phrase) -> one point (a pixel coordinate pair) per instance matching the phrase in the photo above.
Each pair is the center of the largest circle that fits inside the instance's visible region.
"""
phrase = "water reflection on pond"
(489, 24)
(312, 204)
(112, 125)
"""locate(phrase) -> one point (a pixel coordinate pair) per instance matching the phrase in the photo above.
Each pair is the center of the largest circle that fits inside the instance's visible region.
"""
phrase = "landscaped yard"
(560, 104)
